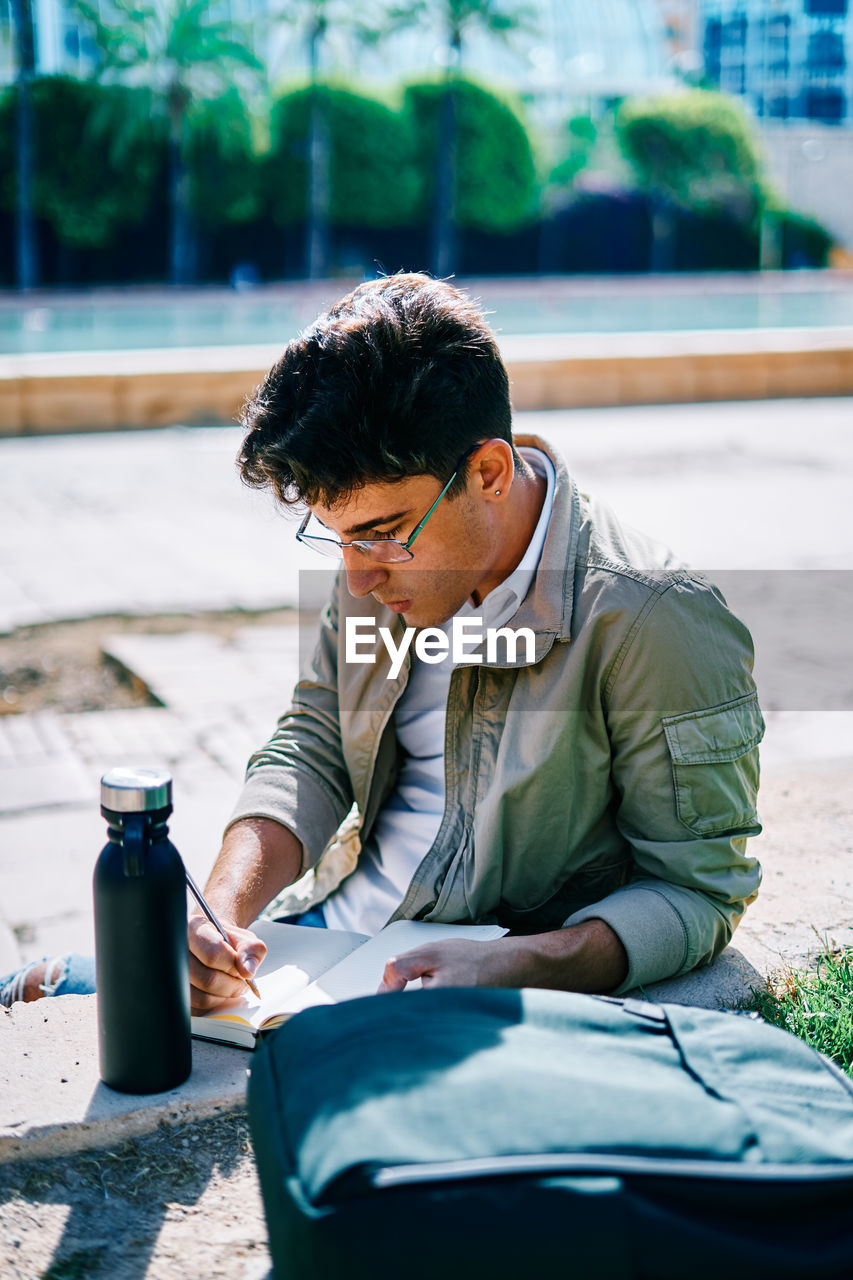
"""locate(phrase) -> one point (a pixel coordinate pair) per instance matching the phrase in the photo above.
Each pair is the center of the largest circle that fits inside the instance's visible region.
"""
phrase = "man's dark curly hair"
(402, 377)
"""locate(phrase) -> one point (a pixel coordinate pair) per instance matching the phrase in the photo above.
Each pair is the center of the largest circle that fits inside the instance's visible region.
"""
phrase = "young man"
(590, 783)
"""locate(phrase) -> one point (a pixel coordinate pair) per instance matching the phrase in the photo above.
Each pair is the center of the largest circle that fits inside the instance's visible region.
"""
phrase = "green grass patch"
(815, 1004)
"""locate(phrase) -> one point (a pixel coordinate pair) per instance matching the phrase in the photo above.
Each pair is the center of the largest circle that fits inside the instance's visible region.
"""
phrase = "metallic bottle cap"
(136, 790)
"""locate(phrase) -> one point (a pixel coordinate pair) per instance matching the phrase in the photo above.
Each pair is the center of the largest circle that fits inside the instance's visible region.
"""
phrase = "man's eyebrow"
(375, 523)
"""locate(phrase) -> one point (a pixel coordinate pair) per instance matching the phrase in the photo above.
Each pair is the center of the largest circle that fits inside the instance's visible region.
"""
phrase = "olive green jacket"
(615, 776)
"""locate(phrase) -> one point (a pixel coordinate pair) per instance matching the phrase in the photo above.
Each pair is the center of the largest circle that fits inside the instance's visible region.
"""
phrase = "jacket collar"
(547, 607)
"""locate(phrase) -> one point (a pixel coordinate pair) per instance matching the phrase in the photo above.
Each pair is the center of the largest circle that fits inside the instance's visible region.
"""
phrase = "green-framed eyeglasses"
(381, 550)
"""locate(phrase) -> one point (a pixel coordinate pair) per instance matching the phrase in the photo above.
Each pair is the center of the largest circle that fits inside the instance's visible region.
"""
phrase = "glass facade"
(565, 55)
(791, 59)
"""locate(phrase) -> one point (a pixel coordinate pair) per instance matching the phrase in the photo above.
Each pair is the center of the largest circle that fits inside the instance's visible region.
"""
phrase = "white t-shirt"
(409, 820)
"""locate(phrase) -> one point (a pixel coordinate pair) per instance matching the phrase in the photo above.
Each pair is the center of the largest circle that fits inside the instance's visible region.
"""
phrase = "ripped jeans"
(71, 975)
(74, 975)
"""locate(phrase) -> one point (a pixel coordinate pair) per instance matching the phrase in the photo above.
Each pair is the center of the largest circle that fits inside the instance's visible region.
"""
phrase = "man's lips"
(397, 606)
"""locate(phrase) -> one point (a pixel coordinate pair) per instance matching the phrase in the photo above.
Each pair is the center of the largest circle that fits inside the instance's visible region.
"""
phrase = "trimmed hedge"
(383, 160)
(695, 148)
(101, 183)
(496, 186)
(375, 179)
(93, 176)
(225, 177)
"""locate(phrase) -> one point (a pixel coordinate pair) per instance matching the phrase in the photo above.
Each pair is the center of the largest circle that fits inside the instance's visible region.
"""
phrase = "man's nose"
(362, 576)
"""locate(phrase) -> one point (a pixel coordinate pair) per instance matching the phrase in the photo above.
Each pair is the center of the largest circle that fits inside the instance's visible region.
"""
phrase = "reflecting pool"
(131, 320)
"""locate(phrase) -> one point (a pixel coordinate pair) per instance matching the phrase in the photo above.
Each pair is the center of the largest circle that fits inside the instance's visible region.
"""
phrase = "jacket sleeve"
(300, 777)
(684, 725)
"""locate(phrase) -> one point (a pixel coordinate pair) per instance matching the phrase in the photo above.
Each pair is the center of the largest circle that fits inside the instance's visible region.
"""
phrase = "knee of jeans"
(55, 973)
(70, 975)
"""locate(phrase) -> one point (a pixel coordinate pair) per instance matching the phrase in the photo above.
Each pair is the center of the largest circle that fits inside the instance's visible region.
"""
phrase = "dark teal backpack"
(480, 1133)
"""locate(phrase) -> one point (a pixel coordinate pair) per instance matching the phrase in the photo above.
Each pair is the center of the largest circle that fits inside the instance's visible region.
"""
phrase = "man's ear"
(492, 467)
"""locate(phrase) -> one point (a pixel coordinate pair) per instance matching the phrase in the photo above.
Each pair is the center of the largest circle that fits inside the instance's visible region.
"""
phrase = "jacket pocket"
(714, 758)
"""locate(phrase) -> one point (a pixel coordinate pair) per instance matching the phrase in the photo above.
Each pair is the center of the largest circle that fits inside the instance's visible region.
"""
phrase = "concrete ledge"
(658, 368)
(52, 1101)
(731, 979)
(106, 390)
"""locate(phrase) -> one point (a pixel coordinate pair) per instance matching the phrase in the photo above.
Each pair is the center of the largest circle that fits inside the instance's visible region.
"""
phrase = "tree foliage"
(174, 48)
(804, 242)
(224, 169)
(102, 168)
(496, 186)
(176, 52)
(375, 180)
(575, 146)
(459, 17)
(84, 186)
(694, 148)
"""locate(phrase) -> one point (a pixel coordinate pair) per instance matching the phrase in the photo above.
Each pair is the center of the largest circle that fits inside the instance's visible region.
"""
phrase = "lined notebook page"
(296, 955)
(360, 973)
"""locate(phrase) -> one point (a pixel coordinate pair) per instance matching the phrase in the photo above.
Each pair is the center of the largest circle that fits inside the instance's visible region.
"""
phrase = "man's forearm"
(584, 957)
(579, 957)
(258, 858)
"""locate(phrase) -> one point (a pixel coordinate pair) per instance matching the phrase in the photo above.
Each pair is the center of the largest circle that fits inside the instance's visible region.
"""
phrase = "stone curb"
(52, 1101)
(105, 391)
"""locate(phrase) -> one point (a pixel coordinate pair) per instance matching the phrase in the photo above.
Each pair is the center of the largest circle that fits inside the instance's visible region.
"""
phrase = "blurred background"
(243, 141)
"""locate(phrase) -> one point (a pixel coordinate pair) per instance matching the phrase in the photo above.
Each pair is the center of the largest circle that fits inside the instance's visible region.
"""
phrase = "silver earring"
(497, 493)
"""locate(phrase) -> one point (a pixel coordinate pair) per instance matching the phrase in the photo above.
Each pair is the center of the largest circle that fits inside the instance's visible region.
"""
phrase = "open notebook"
(305, 966)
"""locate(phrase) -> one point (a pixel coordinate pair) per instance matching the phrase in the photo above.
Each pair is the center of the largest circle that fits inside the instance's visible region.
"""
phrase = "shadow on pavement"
(133, 1209)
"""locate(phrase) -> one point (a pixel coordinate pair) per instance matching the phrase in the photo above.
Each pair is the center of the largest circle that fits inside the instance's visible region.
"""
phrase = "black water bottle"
(141, 958)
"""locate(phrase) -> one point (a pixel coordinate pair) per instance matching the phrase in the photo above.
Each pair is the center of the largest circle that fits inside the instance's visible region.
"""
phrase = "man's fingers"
(453, 962)
(250, 952)
(391, 979)
(405, 968)
(243, 951)
(218, 969)
(216, 982)
(208, 947)
(206, 1002)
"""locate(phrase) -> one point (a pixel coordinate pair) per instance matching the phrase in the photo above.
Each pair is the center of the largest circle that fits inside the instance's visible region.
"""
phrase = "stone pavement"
(158, 522)
(54, 1101)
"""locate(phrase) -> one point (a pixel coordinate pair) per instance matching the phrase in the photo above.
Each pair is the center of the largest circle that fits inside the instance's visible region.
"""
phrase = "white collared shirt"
(409, 820)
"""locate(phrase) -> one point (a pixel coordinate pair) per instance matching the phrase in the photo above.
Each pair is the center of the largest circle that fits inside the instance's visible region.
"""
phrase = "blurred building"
(565, 55)
(791, 63)
(59, 44)
(680, 21)
(790, 59)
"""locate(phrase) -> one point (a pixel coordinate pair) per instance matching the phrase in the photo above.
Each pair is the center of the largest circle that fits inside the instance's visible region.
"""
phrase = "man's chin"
(398, 606)
(417, 614)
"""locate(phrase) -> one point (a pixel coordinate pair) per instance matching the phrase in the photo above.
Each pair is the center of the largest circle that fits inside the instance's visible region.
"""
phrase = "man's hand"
(583, 957)
(258, 858)
(218, 972)
(455, 962)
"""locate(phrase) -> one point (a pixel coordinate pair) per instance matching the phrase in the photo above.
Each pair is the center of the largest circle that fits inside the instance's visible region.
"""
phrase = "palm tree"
(176, 52)
(319, 150)
(315, 18)
(26, 250)
(457, 18)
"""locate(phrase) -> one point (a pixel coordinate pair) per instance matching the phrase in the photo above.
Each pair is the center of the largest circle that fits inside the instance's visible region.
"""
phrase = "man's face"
(453, 553)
